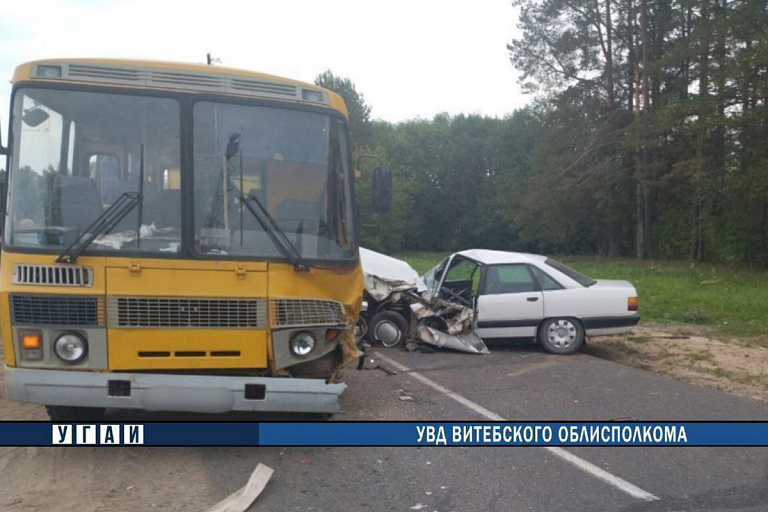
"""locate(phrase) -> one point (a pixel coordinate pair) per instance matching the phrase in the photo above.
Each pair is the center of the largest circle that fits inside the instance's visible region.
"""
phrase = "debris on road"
(397, 308)
(241, 500)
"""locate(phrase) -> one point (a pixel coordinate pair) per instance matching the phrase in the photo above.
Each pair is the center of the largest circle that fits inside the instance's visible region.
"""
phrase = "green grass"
(734, 302)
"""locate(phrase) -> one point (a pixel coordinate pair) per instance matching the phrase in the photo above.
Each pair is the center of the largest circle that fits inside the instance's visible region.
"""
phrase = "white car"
(517, 295)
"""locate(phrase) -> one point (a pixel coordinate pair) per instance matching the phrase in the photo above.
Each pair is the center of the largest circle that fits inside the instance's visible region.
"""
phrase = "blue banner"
(344, 433)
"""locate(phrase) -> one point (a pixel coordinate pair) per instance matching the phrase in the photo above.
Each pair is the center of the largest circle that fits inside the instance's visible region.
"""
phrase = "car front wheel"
(561, 335)
(388, 328)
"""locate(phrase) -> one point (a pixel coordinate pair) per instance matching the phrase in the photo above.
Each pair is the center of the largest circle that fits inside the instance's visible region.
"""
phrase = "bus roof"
(179, 76)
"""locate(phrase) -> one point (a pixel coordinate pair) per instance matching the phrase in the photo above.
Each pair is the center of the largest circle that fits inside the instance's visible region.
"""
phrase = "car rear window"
(568, 271)
(545, 281)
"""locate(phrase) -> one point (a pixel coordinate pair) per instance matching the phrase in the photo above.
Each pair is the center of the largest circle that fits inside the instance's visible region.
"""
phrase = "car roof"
(488, 257)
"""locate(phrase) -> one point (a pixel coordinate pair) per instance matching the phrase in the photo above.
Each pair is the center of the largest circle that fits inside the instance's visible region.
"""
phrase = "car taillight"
(633, 304)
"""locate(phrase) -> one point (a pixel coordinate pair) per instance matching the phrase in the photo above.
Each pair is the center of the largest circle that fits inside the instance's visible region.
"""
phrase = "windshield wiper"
(102, 225)
(277, 235)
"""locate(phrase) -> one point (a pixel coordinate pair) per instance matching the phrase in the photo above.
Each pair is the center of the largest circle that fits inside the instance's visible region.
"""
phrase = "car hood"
(385, 275)
(611, 283)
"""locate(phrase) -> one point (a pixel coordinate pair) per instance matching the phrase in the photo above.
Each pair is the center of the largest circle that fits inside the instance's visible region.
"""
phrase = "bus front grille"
(173, 312)
(52, 275)
(57, 310)
(306, 312)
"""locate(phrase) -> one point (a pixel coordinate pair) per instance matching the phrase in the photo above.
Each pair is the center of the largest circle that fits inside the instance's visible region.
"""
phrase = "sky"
(410, 59)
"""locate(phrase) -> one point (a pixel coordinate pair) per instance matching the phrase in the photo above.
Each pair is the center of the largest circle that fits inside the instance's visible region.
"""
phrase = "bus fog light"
(71, 347)
(31, 341)
(302, 343)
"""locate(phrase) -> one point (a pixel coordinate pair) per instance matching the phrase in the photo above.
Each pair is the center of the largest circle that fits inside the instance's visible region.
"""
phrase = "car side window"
(516, 278)
(545, 281)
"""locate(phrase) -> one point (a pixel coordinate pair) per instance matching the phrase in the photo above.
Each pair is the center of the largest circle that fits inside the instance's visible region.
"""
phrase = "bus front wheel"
(65, 414)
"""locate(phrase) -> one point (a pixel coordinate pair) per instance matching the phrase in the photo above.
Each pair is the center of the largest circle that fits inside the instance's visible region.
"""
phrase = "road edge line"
(565, 455)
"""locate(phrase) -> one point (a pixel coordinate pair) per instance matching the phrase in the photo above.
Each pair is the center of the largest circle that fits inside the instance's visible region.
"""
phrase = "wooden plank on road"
(242, 499)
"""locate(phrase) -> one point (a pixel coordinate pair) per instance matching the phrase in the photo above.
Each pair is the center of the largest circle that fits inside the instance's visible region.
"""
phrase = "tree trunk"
(640, 216)
(609, 52)
(630, 56)
(701, 135)
(644, 21)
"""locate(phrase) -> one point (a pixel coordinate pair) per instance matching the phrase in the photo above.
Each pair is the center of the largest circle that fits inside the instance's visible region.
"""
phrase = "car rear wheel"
(561, 335)
(388, 328)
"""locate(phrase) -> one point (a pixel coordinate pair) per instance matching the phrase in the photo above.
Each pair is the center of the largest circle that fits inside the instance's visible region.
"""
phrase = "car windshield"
(568, 271)
(432, 277)
(76, 153)
(294, 163)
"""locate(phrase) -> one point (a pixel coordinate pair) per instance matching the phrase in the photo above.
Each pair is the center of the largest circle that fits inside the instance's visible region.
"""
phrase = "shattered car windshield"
(76, 153)
(432, 277)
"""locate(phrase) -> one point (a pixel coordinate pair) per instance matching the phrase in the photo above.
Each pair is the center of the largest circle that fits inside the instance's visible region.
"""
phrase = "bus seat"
(293, 213)
(297, 209)
(79, 201)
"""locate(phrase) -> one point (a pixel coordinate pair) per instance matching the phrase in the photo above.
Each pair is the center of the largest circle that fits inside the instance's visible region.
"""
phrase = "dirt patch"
(691, 355)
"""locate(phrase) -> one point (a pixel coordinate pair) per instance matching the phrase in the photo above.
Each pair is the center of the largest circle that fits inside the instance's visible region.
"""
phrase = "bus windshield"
(294, 163)
(75, 153)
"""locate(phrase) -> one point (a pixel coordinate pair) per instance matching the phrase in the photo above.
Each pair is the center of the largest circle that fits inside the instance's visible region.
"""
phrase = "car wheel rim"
(562, 333)
(387, 333)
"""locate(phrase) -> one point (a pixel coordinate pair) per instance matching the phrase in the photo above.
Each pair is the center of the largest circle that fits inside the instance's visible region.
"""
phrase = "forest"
(646, 136)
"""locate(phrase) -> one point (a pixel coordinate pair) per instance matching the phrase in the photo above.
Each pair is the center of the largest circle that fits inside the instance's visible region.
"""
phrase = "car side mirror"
(381, 190)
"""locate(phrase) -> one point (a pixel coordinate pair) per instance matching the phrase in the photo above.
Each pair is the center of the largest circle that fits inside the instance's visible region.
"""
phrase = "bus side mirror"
(381, 190)
(3, 197)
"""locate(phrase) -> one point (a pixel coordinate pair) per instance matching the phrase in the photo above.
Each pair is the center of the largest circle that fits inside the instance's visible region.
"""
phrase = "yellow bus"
(177, 237)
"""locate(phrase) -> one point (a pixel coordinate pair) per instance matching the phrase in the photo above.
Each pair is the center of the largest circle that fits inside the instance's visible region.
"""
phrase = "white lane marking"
(577, 461)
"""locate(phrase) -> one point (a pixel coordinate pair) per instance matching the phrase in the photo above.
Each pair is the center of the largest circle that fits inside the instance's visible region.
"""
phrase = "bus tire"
(64, 413)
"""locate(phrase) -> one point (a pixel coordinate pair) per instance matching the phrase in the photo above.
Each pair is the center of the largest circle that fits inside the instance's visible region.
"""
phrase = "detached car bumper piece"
(178, 393)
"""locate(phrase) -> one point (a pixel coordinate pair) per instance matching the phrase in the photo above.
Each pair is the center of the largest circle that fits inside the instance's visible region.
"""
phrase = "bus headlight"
(70, 347)
(302, 343)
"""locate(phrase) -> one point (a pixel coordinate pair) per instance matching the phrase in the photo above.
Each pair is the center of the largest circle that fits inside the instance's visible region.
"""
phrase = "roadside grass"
(731, 302)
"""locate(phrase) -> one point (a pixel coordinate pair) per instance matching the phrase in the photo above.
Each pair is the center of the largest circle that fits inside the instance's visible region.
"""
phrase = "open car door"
(460, 282)
(460, 279)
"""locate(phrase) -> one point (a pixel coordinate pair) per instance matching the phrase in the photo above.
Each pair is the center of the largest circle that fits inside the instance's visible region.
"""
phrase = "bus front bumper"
(178, 393)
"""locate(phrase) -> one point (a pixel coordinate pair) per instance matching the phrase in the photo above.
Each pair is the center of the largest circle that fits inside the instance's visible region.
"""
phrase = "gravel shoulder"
(693, 355)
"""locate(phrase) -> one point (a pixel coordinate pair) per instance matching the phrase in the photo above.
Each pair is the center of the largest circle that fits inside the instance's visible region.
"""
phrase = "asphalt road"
(515, 383)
